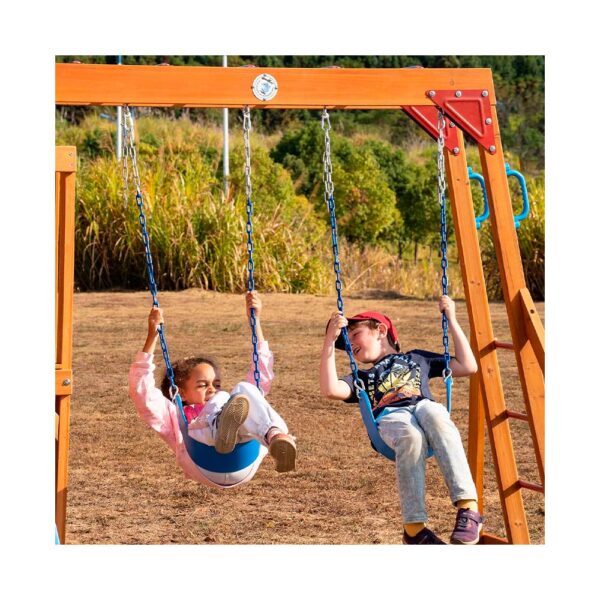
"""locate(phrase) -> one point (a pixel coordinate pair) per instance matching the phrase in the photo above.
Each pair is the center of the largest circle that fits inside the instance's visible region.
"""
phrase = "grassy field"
(124, 486)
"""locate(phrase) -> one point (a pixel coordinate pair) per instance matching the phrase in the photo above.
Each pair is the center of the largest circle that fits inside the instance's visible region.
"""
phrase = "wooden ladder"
(526, 330)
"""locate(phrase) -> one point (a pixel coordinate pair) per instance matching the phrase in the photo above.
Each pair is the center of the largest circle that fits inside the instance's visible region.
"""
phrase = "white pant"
(261, 417)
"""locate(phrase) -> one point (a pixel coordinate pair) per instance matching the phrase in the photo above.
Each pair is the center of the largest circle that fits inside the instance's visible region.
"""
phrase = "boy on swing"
(408, 420)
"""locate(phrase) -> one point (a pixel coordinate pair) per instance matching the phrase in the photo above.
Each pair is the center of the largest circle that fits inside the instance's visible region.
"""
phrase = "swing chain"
(327, 168)
(441, 188)
(130, 157)
(247, 127)
(327, 179)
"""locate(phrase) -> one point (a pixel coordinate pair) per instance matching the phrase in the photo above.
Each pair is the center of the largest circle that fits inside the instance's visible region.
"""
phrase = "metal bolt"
(458, 93)
(455, 150)
(488, 121)
(431, 93)
(452, 124)
(492, 148)
(484, 93)
(66, 382)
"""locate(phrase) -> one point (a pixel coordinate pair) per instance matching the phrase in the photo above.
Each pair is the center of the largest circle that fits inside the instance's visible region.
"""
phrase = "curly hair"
(373, 324)
(182, 369)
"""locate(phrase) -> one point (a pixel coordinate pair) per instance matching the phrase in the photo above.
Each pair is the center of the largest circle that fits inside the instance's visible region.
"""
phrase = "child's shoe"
(282, 447)
(468, 527)
(425, 536)
(230, 419)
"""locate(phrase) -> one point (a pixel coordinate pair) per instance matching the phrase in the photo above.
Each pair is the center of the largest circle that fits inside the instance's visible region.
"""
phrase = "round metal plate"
(265, 87)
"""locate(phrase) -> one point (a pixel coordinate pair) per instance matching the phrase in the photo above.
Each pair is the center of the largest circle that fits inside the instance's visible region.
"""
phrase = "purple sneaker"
(425, 536)
(468, 527)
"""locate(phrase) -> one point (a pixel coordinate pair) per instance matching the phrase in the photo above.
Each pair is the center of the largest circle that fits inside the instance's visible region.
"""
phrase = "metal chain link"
(441, 188)
(129, 160)
(327, 179)
(247, 127)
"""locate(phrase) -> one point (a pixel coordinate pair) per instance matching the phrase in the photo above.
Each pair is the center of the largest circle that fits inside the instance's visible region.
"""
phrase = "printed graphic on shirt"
(399, 379)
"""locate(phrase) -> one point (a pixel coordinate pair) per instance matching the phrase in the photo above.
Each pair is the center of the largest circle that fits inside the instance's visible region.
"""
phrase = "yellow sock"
(413, 528)
(470, 504)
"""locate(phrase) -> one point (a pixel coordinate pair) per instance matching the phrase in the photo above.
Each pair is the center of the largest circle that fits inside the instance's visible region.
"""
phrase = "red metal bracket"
(470, 110)
(427, 118)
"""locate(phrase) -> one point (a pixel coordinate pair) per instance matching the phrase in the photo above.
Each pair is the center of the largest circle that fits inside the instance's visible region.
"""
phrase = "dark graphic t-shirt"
(399, 379)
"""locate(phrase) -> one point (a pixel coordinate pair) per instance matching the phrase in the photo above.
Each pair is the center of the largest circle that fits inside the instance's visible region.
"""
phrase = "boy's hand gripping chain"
(247, 126)
(130, 156)
(441, 188)
(364, 402)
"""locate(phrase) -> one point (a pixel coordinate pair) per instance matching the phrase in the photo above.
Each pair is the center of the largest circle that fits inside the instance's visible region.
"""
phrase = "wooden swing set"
(468, 101)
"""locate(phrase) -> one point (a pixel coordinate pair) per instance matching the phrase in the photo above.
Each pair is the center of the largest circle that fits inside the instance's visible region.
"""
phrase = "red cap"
(365, 316)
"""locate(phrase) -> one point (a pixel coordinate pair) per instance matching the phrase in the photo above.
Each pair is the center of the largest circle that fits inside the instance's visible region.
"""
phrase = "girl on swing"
(216, 418)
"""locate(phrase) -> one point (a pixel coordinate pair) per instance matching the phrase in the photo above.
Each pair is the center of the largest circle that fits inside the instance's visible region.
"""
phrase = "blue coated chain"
(130, 156)
(441, 175)
(327, 179)
(247, 126)
(364, 401)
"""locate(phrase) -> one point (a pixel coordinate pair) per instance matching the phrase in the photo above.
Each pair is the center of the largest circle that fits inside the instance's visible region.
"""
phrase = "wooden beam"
(232, 87)
(488, 539)
(534, 327)
(476, 440)
(66, 165)
(510, 267)
(63, 382)
(65, 159)
(481, 330)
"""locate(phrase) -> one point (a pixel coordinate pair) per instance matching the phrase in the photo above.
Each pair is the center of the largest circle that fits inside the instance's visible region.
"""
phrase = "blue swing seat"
(206, 457)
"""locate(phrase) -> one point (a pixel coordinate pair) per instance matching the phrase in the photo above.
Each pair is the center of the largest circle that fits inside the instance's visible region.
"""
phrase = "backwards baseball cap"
(366, 316)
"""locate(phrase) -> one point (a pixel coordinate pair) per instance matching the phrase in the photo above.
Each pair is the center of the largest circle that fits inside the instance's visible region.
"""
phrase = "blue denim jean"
(409, 431)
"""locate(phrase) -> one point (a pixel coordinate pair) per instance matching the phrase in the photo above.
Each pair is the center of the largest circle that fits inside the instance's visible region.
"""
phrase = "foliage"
(386, 204)
(198, 237)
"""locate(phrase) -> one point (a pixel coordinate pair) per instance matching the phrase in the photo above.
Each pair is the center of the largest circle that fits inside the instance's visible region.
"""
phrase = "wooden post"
(485, 351)
(506, 245)
(476, 440)
(66, 166)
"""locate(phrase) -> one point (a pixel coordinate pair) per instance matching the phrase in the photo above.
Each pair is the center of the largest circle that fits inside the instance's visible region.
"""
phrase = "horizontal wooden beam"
(488, 538)
(81, 84)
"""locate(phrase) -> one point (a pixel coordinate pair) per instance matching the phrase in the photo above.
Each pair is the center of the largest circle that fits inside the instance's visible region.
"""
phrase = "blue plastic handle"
(486, 212)
(486, 209)
(512, 173)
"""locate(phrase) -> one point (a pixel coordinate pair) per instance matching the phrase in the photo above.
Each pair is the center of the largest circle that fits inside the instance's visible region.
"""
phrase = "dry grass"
(124, 487)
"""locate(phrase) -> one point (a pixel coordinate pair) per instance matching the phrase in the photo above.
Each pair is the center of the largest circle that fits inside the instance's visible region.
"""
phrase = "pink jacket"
(160, 414)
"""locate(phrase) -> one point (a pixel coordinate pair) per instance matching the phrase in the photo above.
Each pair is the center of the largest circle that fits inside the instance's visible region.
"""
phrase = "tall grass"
(198, 236)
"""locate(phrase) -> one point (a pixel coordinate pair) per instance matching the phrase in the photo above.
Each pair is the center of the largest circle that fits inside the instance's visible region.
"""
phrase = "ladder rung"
(487, 538)
(517, 415)
(531, 486)
(507, 345)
